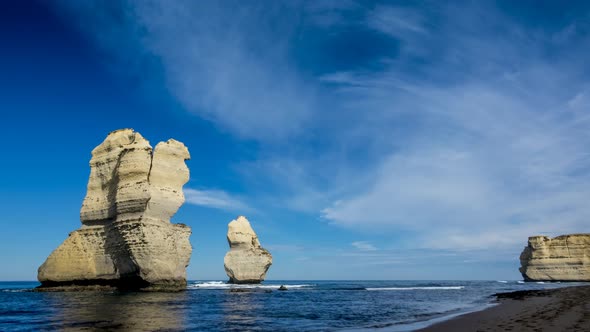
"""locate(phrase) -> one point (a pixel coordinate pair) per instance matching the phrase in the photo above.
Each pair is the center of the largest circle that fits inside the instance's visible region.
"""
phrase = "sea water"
(218, 306)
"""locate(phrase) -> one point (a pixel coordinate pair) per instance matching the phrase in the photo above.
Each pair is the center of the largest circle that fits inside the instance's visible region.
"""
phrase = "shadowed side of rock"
(126, 239)
(563, 258)
(246, 262)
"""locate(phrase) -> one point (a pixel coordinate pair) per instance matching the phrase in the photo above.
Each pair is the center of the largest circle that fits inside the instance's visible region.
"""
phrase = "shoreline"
(566, 308)
(418, 325)
(561, 309)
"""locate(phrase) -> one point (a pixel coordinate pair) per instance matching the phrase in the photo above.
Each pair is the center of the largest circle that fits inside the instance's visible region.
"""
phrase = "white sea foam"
(224, 285)
(208, 284)
(415, 288)
(502, 281)
(520, 282)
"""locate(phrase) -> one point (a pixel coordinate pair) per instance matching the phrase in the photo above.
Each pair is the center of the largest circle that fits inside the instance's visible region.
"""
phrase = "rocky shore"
(562, 309)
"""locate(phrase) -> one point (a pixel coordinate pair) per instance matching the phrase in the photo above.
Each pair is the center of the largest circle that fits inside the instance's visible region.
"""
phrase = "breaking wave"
(8, 290)
(224, 285)
(416, 288)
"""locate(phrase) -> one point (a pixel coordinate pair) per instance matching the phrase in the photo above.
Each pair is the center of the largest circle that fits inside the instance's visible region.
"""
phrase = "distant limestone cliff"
(563, 258)
(246, 262)
(126, 239)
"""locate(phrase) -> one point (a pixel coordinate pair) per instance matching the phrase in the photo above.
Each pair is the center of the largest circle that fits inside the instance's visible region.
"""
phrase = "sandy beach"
(565, 309)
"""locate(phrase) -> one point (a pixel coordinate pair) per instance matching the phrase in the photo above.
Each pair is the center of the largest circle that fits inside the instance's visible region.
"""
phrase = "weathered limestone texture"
(563, 258)
(126, 239)
(246, 262)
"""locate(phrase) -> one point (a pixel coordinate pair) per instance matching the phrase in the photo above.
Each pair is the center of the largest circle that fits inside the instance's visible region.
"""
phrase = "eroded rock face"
(563, 258)
(126, 239)
(246, 262)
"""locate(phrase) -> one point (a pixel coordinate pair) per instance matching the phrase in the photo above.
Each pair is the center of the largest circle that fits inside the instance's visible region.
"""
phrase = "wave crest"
(224, 285)
(416, 288)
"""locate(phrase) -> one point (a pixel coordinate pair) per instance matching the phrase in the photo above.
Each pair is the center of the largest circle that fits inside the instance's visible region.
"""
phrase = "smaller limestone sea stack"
(126, 239)
(246, 262)
(563, 258)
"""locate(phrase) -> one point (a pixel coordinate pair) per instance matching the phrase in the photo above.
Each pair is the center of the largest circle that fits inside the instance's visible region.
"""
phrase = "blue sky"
(363, 140)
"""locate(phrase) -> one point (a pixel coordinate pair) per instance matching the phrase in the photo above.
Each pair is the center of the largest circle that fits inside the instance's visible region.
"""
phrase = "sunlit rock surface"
(246, 262)
(563, 258)
(126, 239)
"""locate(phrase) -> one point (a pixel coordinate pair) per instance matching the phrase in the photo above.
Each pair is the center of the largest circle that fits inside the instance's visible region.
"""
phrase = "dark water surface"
(216, 306)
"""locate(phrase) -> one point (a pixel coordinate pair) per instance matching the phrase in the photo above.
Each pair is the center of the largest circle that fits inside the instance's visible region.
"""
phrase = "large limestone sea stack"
(126, 239)
(246, 262)
(563, 258)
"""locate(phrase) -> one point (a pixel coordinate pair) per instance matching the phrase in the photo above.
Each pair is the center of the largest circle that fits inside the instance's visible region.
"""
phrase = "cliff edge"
(563, 258)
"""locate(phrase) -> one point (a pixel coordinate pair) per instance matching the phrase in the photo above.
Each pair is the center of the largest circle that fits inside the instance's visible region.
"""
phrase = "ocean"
(217, 306)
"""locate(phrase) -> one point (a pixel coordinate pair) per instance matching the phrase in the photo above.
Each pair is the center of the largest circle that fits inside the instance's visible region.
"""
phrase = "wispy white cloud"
(216, 199)
(580, 102)
(285, 247)
(492, 170)
(473, 134)
(396, 21)
(363, 246)
(481, 148)
(494, 153)
(328, 13)
(225, 63)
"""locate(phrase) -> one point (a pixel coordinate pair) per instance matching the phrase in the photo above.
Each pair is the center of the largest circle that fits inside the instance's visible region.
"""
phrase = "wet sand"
(556, 310)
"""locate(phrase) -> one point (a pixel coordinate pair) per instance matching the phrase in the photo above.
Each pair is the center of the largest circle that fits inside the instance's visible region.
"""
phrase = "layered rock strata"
(126, 239)
(563, 258)
(246, 262)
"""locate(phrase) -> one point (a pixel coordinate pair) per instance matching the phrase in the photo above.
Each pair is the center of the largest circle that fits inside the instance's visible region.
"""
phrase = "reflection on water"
(240, 308)
(119, 311)
(323, 306)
